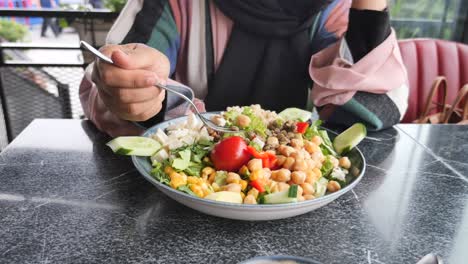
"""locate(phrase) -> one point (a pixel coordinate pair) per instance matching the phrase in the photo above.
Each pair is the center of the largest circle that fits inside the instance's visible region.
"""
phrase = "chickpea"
(334, 161)
(308, 197)
(297, 155)
(289, 163)
(273, 141)
(300, 165)
(254, 164)
(300, 199)
(317, 172)
(345, 163)
(333, 186)
(310, 147)
(280, 159)
(355, 171)
(297, 143)
(310, 163)
(307, 188)
(298, 177)
(266, 173)
(282, 186)
(243, 121)
(318, 156)
(232, 187)
(282, 175)
(233, 178)
(317, 140)
(311, 177)
(218, 120)
(286, 150)
(253, 192)
(249, 199)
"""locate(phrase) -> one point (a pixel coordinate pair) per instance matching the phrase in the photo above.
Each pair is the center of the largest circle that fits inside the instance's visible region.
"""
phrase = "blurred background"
(41, 64)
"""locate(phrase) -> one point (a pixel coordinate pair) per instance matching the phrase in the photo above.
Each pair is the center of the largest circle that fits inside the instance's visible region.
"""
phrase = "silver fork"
(205, 120)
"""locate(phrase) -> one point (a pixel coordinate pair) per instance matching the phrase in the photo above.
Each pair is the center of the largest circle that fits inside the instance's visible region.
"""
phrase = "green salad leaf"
(183, 162)
(186, 189)
(158, 173)
(327, 166)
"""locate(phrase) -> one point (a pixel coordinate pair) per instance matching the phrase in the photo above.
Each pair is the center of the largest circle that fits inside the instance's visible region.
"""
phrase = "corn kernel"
(177, 180)
(197, 190)
(168, 170)
(192, 180)
(244, 171)
(243, 184)
(256, 175)
(207, 171)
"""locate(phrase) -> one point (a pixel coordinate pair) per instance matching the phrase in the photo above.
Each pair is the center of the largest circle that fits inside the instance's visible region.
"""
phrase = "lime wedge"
(136, 146)
(349, 138)
(295, 114)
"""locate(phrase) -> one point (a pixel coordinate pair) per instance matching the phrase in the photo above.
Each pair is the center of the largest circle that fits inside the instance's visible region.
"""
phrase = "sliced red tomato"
(301, 127)
(257, 184)
(230, 154)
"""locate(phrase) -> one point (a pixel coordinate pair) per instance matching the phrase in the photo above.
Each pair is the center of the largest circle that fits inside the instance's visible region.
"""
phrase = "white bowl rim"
(325, 198)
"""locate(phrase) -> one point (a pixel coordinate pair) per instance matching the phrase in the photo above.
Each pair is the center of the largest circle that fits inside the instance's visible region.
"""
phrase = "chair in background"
(426, 59)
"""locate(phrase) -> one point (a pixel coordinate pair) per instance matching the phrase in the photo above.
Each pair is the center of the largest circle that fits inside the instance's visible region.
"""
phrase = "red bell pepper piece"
(301, 127)
(258, 185)
(268, 159)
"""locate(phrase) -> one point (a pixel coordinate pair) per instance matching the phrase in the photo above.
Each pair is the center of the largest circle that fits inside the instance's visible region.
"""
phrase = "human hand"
(378, 5)
(127, 87)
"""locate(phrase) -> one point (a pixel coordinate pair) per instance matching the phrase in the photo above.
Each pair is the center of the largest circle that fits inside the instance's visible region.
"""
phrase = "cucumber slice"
(293, 191)
(320, 187)
(295, 114)
(136, 146)
(349, 138)
(224, 196)
(279, 198)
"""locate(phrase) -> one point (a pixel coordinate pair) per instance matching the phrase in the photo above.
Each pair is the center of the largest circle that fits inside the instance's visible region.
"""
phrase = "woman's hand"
(378, 5)
(127, 88)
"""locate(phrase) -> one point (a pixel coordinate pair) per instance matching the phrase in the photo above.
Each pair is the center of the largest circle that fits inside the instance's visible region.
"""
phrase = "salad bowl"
(247, 212)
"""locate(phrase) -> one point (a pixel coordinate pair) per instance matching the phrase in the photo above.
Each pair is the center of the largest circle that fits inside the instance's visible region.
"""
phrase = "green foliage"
(115, 5)
(428, 10)
(12, 31)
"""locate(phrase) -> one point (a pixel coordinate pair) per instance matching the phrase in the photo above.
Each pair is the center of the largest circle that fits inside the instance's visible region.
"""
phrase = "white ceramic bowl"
(246, 212)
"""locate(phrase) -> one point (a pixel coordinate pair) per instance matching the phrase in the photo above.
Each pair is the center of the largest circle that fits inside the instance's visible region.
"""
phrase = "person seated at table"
(342, 56)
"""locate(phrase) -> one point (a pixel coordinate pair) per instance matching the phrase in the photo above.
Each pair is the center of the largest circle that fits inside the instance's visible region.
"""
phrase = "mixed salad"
(274, 158)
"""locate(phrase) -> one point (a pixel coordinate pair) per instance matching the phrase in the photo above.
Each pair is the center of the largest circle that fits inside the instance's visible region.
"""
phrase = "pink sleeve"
(336, 80)
(97, 112)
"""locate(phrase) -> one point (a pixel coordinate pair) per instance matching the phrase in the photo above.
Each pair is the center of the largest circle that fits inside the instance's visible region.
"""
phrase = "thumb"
(122, 60)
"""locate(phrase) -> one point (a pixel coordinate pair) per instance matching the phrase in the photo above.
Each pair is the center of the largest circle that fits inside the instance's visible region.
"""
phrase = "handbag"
(456, 113)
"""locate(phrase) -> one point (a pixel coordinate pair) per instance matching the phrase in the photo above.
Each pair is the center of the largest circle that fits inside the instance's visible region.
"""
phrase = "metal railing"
(34, 89)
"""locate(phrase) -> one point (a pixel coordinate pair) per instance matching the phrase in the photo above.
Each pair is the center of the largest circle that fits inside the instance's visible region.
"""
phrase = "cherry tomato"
(230, 154)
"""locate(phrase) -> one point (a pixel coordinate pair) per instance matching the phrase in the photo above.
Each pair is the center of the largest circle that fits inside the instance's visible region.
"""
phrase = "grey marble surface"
(65, 198)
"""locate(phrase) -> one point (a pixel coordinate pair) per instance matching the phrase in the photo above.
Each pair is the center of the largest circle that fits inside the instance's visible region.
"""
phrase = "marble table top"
(65, 198)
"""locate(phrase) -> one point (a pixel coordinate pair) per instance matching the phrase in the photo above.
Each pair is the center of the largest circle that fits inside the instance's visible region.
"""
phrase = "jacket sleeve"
(361, 77)
(141, 21)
